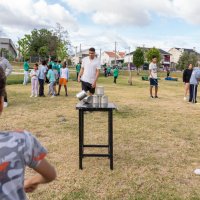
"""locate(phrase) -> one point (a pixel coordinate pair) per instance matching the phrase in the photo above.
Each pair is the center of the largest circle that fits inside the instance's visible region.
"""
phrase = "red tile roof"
(119, 55)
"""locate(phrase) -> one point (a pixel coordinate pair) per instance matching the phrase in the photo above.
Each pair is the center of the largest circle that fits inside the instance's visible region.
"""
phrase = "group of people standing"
(191, 78)
(54, 73)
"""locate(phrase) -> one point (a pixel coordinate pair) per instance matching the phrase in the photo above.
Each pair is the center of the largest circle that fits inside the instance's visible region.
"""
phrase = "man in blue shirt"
(42, 77)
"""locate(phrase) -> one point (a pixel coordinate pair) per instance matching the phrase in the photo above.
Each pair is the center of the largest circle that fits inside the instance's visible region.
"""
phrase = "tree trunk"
(138, 71)
(130, 81)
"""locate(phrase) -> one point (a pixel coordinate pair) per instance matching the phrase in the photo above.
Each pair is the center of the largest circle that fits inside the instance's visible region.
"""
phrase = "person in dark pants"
(194, 81)
(78, 68)
(41, 77)
(193, 93)
(115, 74)
(89, 72)
(186, 79)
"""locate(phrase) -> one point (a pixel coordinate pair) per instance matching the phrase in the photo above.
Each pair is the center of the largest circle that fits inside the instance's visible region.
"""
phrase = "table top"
(90, 107)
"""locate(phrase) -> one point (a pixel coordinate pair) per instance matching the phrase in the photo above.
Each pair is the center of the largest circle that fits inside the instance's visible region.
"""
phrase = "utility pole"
(100, 56)
(75, 51)
(129, 66)
(115, 53)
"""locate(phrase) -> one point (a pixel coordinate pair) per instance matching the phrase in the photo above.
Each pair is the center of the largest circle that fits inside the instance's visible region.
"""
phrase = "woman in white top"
(34, 80)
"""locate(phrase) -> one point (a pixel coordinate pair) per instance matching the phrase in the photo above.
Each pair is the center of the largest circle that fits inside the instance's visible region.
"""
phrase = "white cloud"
(117, 12)
(140, 13)
(28, 14)
(187, 10)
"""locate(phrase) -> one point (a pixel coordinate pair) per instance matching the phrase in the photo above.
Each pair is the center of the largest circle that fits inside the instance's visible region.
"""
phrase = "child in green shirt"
(26, 72)
(116, 74)
(52, 80)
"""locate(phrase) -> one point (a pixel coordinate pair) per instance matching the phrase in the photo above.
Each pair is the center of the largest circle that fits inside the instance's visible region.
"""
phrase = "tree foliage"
(186, 59)
(45, 43)
(138, 58)
(153, 52)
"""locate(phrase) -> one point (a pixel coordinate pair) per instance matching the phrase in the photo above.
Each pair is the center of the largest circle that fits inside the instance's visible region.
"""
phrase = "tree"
(186, 59)
(138, 58)
(153, 52)
(45, 43)
(63, 42)
(24, 47)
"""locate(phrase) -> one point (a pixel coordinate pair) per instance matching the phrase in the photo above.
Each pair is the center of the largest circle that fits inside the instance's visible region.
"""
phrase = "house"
(80, 55)
(7, 48)
(165, 57)
(108, 57)
(176, 53)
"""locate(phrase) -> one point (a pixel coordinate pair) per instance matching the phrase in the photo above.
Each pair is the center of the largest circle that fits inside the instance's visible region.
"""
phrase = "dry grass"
(156, 142)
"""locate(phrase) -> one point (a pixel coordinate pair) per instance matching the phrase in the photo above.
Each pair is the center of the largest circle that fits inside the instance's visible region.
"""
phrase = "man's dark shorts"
(153, 82)
(87, 87)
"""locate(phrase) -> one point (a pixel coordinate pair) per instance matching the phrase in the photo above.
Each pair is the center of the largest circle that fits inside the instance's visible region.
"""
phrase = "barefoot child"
(64, 77)
(34, 80)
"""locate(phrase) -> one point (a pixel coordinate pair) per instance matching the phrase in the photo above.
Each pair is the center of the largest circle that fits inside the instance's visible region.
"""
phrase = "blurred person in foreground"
(19, 149)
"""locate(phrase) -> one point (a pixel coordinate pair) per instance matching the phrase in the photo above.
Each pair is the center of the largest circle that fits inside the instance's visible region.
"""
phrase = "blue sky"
(163, 24)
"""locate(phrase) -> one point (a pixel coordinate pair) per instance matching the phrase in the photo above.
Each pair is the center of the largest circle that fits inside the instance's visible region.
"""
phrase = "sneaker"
(151, 97)
(31, 96)
(66, 95)
(5, 104)
(156, 97)
(185, 98)
(197, 171)
(58, 94)
(52, 96)
(36, 96)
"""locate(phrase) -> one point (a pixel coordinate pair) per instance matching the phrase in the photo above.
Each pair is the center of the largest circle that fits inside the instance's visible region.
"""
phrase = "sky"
(100, 23)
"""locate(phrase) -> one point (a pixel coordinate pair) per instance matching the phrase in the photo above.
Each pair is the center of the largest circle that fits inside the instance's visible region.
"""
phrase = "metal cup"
(81, 95)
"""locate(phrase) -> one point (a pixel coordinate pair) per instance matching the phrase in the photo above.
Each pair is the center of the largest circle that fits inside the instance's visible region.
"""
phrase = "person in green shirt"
(26, 72)
(109, 70)
(78, 68)
(116, 74)
(59, 66)
(52, 80)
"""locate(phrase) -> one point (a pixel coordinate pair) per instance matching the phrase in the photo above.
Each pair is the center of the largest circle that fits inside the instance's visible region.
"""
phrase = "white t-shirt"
(64, 73)
(153, 68)
(90, 67)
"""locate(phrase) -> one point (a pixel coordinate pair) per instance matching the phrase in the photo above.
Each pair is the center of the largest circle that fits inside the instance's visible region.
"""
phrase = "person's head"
(44, 62)
(26, 60)
(92, 53)
(154, 59)
(2, 88)
(56, 61)
(50, 66)
(65, 64)
(190, 66)
(35, 67)
(59, 61)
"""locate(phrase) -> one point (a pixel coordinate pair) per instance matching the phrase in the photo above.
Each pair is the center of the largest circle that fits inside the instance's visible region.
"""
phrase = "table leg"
(110, 125)
(80, 139)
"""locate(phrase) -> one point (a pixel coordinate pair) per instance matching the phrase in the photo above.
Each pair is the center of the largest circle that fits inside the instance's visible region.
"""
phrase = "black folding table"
(82, 107)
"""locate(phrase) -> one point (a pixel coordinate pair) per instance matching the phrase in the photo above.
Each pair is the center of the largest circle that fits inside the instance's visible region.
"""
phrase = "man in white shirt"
(153, 77)
(89, 72)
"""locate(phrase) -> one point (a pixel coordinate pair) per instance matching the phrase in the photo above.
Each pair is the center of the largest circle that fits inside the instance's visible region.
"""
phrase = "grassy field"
(156, 142)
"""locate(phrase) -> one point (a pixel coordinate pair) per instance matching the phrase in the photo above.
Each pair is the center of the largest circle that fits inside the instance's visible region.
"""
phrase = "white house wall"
(175, 55)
